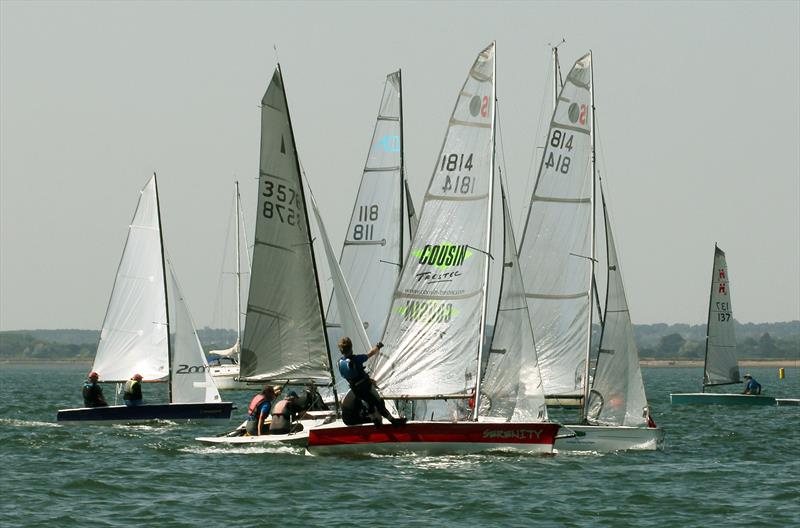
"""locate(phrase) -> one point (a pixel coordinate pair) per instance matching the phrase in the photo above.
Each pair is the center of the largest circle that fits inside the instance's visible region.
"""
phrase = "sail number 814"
(559, 140)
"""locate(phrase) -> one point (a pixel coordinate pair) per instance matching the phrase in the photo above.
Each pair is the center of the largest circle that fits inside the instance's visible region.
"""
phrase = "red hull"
(439, 437)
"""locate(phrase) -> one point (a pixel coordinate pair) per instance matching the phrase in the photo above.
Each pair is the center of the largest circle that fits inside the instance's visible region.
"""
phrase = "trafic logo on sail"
(443, 255)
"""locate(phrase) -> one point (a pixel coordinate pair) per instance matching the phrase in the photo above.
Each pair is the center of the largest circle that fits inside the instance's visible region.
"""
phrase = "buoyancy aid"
(255, 403)
(133, 390)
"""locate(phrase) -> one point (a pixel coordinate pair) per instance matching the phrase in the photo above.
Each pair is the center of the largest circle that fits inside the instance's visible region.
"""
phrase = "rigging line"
(504, 168)
(218, 301)
(524, 211)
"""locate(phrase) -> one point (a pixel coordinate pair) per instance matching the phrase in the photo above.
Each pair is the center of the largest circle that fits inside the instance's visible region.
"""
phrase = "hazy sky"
(698, 107)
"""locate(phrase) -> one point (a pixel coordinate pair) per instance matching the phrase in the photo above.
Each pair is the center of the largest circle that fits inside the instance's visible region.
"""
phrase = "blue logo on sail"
(390, 143)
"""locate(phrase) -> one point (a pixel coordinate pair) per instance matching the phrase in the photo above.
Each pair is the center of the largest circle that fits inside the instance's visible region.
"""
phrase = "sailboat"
(376, 240)
(224, 364)
(284, 341)
(141, 335)
(558, 256)
(433, 359)
(720, 366)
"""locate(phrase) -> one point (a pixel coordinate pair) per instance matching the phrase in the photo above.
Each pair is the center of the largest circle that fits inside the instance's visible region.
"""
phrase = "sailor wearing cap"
(751, 386)
(92, 392)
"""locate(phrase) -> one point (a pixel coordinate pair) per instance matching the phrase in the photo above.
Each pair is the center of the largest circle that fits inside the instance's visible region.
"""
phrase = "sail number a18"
(723, 311)
(365, 229)
(559, 161)
(462, 183)
(281, 203)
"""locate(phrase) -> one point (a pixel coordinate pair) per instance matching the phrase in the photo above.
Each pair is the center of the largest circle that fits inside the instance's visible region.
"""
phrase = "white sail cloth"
(556, 244)
(433, 333)
(721, 366)
(133, 339)
(372, 255)
(512, 387)
(617, 396)
(190, 378)
(284, 335)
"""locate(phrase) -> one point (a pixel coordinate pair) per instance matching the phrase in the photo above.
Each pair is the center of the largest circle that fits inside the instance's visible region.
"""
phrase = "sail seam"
(259, 243)
(564, 126)
(429, 196)
(381, 169)
(264, 173)
(388, 118)
(560, 200)
(381, 242)
(556, 297)
(469, 123)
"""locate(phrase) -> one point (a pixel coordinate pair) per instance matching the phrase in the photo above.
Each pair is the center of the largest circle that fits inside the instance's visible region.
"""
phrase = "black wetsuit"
(93, 395)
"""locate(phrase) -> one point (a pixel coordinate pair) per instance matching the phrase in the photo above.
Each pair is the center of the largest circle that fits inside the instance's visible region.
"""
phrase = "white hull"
(606, 439)
(299, 438)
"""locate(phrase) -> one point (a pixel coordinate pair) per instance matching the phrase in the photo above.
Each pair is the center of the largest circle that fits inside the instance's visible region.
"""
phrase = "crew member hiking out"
(351, 367)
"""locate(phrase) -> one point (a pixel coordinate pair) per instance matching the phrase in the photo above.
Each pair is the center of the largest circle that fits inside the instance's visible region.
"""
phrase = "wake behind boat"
(143, 333)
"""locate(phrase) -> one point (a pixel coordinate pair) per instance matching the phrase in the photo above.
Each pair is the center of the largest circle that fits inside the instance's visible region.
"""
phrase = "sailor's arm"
(374, 350)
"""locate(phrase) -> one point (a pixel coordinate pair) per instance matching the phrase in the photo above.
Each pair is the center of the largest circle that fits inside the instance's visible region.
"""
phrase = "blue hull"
(144, 413)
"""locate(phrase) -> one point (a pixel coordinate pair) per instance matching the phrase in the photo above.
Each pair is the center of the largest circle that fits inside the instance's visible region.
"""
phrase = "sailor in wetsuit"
(351, 367)
(92, 392)
(751, 386)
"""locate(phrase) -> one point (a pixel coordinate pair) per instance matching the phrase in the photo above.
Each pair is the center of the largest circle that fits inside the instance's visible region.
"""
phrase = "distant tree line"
(656, 341)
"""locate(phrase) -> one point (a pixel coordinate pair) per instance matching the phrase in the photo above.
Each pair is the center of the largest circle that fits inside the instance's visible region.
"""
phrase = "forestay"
(721, 367)
(556, 248)
(191, 380)
(512, 386)
(433, 334)
(134, 335)
(284, 336)
(372, 255)
(617, 396)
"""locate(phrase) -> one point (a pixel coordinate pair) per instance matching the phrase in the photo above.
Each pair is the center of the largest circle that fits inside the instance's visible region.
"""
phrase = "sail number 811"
(462, 184)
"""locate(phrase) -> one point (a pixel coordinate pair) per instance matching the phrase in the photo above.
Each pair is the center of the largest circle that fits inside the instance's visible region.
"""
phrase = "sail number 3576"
(281, 203)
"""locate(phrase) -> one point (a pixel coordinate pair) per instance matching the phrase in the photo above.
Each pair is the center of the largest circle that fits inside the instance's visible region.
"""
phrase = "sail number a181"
(365, 229)
(281, 203)
(462, 183)
(723, 311)
(560, 141)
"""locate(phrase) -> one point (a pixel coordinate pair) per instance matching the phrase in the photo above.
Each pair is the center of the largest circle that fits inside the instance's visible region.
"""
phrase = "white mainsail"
(343, 300)
(721, 367)
(190, 379)
(617, 396)
(284, 336)
(434, 331)
(556, 247)
(134, 337)
(512, 386)
(372, 255)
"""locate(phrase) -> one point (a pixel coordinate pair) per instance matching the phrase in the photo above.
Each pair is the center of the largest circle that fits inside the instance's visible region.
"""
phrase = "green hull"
(708, 398)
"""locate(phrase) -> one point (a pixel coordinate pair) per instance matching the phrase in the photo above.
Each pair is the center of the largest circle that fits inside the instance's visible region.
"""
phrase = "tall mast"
(556, 87)
(310, 241)
(708, 320)
(166, 297)
(402, 166)
(477, 396)
(593, 243)
(238, 272)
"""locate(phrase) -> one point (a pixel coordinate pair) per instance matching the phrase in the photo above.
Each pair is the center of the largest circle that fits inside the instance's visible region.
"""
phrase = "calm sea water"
(721, 466)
